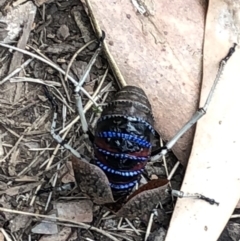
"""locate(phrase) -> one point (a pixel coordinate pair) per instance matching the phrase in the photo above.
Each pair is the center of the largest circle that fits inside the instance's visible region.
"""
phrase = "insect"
(124, 132)
(123, 138)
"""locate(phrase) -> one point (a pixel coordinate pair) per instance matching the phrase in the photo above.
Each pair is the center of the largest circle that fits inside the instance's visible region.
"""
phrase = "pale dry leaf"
(31, 144)
(46, 227)
(21, 221)
(13, 191)
(63, 235)
(67, 173)
(63, 32)
(84, 29)
(5, 203)
(213, 168)
(80, 211)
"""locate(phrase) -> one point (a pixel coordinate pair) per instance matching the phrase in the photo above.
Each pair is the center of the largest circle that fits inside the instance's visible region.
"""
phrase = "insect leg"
(78, 86)
(181, 194)
(56, 136)
(200, 112)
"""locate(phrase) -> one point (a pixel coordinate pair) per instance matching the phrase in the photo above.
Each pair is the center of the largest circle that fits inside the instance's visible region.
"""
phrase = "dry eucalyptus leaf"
(152, 184)
(46, 227)
(161, 52)
(143, 204)
(63, 32)
(13, 191)
(67, 173)
(234, 231)
(21, 221)
(213, 167)
(92, 181)
(63, 235)
(80, 211)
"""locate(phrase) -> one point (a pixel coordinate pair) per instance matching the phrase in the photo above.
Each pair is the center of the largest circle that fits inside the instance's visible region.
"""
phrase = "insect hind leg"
(201, 111)
(78, 85)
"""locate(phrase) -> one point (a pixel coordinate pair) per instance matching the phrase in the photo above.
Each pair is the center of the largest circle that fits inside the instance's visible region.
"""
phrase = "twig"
(173, 170)
(134, 229)
(74, 57)
(34, 162)
(53, 185)
(12, 149)
(61, 78)
(235, 216)
(5, 235)
(65, 87)
(16, 71)
(81, 225)
(88, 105)
(32, 80)
(51, 64)
(148, 231)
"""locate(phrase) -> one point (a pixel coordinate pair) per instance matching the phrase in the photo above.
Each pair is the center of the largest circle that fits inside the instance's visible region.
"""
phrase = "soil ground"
(28, 155)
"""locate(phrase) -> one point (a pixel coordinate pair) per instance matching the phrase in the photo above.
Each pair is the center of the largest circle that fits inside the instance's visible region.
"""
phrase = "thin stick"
(32, 80)
(81, 225)
(53, 185)
(25, 64)
(88, 105)
(150, 222)
(52, 65)
(235, 216)
(75, 55)
(173, 170)
(45, 57)
(133, 228)
(5, 234)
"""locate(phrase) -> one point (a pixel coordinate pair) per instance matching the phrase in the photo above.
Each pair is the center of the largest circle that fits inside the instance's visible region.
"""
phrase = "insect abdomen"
(123, 138)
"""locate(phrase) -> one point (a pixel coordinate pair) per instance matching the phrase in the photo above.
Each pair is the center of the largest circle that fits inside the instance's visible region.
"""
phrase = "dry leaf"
(80, 211)
(20, 189)
(63, 235)
(67, 173)
(152, 184)
(46, 227)
(143, 204)
(92, 181)
(21, 221)
(213, 168)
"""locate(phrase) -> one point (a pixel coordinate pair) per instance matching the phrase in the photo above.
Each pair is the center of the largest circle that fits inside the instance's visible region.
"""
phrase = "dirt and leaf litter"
(31, 161)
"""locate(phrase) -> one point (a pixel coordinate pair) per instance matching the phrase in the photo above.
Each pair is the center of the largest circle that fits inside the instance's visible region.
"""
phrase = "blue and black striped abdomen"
(123, 138)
